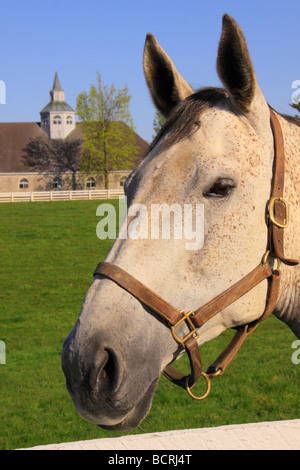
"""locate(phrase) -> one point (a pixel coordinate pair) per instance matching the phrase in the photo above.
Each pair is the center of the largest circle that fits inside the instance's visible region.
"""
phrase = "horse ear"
(166, 85)
(236, 71)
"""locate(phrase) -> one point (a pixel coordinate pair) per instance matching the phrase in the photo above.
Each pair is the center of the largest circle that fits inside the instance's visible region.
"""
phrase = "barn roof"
(14, 136)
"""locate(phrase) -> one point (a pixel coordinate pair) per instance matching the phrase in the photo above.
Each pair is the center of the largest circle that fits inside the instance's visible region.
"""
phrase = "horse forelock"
(184, 119)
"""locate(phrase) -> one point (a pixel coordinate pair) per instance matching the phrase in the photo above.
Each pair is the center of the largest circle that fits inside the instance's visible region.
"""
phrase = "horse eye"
(220, 188)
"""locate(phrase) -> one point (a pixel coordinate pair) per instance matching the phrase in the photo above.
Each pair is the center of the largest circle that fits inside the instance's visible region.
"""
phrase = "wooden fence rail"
(61, 195)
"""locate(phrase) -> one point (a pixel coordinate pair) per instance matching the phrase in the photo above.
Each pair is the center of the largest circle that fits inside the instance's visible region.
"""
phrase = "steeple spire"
(56, 84)
(57, 93)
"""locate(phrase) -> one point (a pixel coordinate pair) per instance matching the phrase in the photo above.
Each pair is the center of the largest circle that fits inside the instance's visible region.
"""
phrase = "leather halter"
(277, 215)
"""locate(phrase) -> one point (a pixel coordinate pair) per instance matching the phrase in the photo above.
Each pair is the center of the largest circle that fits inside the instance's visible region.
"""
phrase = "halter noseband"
(278, 219)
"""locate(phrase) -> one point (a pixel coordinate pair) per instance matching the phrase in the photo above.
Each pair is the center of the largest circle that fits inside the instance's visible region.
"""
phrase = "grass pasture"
(48, 252)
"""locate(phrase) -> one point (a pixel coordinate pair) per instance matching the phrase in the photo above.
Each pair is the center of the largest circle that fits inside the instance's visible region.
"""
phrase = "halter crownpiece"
(278, 220)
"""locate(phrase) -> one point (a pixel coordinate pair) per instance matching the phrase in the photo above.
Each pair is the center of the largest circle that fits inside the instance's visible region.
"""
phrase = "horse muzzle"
(100, 388)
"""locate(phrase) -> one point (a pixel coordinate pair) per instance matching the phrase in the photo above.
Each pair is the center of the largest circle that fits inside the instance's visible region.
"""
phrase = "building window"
(90, 183)
(69, 120)
(57, 120)
(122, 181)
(23, 184)
(57, 183)
(45, 122)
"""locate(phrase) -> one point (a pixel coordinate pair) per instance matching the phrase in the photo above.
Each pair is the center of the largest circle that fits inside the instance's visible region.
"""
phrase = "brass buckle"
(272, 215)
(185, 317)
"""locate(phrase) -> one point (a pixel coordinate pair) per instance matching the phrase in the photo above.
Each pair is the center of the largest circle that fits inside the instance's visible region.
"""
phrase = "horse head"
(214, 155)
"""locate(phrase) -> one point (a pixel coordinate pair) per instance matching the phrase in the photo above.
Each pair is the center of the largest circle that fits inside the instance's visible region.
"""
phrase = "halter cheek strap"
(278, 210)
(277, 222)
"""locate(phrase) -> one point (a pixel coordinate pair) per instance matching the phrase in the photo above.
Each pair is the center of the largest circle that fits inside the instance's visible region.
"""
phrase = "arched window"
(122, 181)
(69, 120)
(45, 122)
(57, 183)
(90, 183)
(23, 184)
(57, 120)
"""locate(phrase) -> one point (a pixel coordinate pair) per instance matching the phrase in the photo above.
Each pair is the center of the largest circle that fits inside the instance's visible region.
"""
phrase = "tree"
(296, 106)
(57, 155)
(109, 138)
(158, 122)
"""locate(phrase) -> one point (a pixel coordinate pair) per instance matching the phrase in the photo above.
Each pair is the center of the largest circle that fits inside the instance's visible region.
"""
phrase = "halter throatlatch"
(278, 220)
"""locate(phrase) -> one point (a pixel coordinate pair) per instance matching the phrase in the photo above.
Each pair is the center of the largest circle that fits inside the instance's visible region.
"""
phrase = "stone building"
(58, 122)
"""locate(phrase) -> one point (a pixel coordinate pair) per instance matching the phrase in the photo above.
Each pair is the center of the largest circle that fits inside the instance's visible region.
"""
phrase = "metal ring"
(265, 259)
(208, 381)
(215, 374)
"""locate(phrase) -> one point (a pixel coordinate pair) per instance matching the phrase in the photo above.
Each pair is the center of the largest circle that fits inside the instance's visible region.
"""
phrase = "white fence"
(273, 435)
(61, 195)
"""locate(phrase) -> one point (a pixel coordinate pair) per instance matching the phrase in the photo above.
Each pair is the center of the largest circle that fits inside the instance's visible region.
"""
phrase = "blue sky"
(77, 38)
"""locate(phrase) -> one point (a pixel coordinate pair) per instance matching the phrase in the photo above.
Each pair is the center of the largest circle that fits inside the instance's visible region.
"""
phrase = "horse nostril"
(106, 371)
(109, 367)
(97, 373)
(113, 370)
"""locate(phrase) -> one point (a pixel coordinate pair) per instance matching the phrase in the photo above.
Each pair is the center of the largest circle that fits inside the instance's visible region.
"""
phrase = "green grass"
(48, 252)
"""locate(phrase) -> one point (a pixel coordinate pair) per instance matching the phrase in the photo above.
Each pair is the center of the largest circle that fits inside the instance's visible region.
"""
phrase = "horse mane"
(184, 118)
(292, 119)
